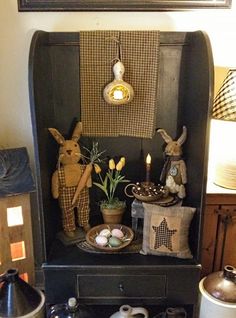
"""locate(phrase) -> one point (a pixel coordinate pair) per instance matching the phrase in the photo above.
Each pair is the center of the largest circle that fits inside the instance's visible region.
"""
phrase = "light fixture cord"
(119, 48)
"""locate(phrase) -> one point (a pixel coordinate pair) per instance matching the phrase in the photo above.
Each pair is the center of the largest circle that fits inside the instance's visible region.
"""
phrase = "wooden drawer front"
(119, 286)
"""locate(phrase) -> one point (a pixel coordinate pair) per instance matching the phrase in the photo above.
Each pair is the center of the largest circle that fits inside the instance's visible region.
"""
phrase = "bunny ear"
(77, 132)
(57, 136)
(183, 136)
(164, 135)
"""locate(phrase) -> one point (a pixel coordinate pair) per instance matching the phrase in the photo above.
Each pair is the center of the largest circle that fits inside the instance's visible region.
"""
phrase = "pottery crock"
(218, 294)
(18, 298)
(127, 311)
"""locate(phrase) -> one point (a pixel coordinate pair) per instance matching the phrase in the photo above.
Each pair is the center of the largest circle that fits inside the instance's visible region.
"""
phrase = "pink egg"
(117, 233)
(101, 240)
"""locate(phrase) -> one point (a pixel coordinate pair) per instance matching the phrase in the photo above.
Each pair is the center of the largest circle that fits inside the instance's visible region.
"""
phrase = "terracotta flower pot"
(113, 215)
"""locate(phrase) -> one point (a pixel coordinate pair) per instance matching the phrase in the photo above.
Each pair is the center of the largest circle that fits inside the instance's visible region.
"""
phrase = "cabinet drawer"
(119, 286)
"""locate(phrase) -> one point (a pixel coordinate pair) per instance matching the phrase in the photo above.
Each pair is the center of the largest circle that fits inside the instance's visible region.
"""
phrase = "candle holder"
(147, 191)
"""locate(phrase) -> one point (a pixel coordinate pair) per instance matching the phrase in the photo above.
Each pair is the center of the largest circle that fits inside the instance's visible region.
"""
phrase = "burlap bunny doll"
(174, 173)
(70, 182)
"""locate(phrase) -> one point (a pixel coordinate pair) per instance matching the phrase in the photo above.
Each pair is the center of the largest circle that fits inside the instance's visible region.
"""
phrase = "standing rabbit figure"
(69, 179)
(174, 173)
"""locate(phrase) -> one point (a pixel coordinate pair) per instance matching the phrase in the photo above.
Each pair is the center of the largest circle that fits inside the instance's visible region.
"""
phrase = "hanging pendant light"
(118, 92)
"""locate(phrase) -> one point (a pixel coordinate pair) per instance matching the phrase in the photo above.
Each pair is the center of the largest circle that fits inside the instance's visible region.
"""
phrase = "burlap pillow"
(166, 230)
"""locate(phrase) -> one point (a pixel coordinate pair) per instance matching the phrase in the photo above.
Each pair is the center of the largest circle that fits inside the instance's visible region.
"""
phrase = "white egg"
(117, 233)
(105, 232)
(101, 240)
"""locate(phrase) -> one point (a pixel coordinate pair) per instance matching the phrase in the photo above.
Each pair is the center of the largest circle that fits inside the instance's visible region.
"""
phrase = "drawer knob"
(121, 287)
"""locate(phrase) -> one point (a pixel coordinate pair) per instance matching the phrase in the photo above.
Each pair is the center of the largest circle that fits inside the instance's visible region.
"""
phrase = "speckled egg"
(101, 240)
(114, 241)
(117, 233)
(105, 232)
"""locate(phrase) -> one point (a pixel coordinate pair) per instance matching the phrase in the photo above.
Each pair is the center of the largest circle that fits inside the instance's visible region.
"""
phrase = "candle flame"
(148, 159)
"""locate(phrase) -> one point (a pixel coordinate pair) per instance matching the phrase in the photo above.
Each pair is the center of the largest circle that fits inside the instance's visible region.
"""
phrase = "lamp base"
(225, 174)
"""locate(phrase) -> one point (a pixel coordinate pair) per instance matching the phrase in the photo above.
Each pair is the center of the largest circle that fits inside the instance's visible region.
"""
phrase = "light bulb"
(118, 92)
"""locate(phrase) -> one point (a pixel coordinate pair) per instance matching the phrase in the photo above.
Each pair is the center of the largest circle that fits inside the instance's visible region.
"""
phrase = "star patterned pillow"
(166, 230)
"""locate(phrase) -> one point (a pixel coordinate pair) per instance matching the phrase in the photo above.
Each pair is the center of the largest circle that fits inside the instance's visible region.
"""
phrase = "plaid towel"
(140, 56)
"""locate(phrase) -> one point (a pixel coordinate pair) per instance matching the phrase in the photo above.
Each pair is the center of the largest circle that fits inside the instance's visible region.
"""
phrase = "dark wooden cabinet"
(219, 230)
(118, 278)
(185, 97)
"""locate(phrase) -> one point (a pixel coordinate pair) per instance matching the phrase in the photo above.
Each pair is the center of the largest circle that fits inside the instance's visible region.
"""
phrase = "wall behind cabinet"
(16, 30)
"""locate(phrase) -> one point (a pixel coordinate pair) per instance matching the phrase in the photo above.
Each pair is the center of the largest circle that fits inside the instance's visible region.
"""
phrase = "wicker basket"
(93, 232)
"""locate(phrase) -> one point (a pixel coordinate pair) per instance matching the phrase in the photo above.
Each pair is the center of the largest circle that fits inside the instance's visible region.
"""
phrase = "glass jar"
(71, 309)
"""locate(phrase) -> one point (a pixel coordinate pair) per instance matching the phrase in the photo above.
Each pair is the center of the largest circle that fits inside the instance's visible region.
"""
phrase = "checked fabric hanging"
(140, 55)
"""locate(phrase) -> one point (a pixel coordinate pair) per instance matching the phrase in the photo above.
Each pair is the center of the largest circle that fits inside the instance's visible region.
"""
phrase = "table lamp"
(224, 109)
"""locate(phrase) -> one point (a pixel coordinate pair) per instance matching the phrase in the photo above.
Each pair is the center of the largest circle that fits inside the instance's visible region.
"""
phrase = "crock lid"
(222, 285)
(17, 298)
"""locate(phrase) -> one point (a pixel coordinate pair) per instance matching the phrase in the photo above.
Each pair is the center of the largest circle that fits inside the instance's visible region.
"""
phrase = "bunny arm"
(181, 177)
(183, 171)
(89, 182)
(55, 185)
(83, 181)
